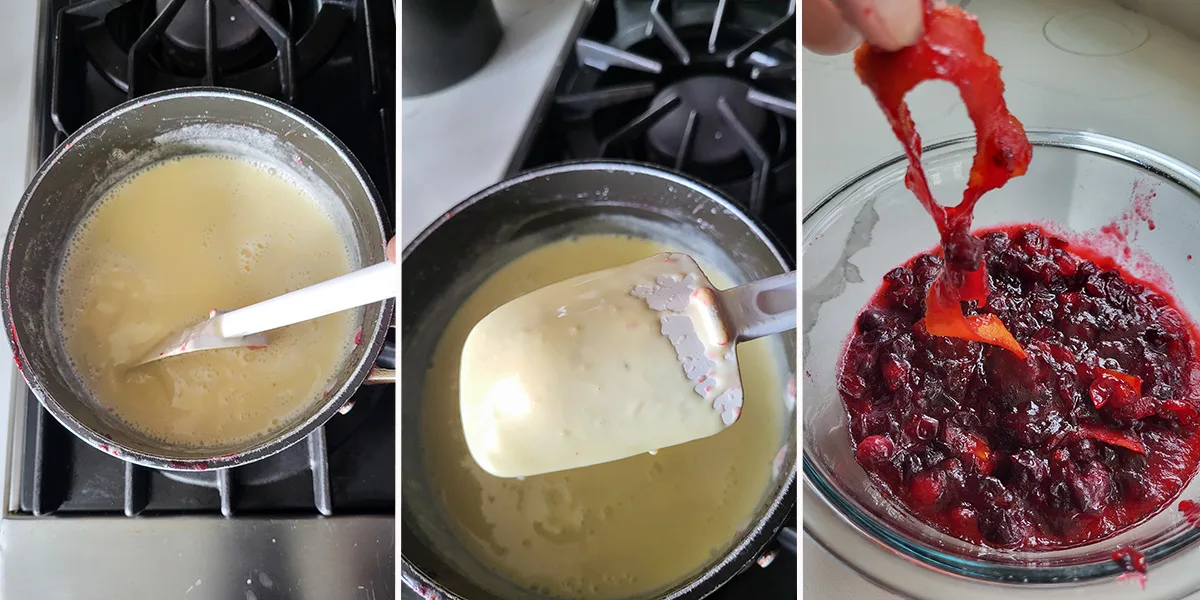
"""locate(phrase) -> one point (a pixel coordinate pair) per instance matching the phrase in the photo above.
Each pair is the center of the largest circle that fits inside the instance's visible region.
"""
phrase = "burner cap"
(235, 26)
(715, 142)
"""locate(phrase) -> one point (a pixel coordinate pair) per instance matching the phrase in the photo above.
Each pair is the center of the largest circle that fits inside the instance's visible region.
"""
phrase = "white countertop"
(460, 140)
(18, 34)
(1150, 95)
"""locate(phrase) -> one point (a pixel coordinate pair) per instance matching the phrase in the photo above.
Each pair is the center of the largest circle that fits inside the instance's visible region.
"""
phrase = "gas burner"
(705, 89)
(702, 96)
(238, 37)
(264, 46)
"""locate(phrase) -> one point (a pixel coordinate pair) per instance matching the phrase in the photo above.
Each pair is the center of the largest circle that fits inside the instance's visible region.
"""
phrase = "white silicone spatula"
(612, 364)
(246, 326)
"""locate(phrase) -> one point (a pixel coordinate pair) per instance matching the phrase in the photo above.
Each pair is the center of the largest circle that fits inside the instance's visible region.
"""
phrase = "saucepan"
(132, 137)
(452, 257)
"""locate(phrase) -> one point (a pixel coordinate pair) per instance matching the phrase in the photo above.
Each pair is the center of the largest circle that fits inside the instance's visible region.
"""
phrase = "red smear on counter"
(1134, 564)
(951, 49)
(1191, 512)
(358, 337)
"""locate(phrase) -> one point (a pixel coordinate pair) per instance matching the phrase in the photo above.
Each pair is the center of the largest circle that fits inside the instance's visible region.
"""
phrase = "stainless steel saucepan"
(121, 142)
(452, 257)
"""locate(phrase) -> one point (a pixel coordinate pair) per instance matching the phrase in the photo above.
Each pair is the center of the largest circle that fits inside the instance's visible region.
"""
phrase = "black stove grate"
(335, 61)
(704, 88)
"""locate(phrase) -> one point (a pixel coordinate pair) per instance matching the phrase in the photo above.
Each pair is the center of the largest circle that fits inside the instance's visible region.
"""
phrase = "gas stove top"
(331, 498)
(332, 59)
(706, 88)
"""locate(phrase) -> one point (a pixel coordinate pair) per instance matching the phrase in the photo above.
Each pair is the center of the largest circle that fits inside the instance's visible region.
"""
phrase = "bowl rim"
(892, 561)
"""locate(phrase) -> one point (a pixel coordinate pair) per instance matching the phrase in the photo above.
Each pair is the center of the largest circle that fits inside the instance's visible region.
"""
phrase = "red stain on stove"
(358, 337)
(1134, 564)
(1191, 512)
(12, 331)
(187, 466)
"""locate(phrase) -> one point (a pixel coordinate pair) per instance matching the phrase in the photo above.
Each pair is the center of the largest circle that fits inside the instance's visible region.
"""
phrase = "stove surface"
(307, 53)
(315, 521)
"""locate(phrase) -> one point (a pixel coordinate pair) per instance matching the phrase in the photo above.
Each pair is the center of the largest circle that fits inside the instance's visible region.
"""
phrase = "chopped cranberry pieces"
(1132, 562)
(1124, 439)
(1096, 428)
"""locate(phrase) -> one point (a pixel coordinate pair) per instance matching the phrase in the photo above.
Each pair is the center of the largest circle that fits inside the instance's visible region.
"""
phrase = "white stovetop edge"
(18, 40)
(1150, 96)
(460, 140)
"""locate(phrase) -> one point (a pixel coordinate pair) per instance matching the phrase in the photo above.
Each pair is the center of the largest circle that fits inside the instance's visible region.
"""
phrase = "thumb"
(888, 24)
(391, 250)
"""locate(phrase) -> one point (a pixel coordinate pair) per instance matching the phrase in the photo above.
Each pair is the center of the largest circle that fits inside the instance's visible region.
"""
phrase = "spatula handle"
(761, 308)
(372, 284)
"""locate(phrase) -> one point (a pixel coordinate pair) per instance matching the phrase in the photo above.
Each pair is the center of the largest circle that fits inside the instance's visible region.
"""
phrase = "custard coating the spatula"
(611, 364)
(247, 326)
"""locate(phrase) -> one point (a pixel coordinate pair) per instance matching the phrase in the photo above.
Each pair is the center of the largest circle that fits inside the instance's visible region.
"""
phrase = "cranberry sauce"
(1094, 431)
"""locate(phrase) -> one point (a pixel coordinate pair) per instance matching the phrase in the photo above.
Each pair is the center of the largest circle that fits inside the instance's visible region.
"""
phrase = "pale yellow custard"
(623, 529)
(596, 368)
(160, 251)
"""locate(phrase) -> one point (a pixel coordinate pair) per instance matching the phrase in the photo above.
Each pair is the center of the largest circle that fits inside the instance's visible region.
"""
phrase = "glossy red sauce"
(1093, 431)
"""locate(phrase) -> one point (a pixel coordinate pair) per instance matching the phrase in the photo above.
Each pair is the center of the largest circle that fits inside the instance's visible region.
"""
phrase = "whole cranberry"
(927, 487)
(875, 450)
(1004, 526)
(964, 522)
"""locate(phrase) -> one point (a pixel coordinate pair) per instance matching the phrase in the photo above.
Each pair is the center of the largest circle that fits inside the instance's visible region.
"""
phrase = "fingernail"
(901, 20)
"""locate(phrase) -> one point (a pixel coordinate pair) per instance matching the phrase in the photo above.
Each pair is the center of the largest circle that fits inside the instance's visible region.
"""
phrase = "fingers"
(824, 29)
(888, 24)
(391, 250)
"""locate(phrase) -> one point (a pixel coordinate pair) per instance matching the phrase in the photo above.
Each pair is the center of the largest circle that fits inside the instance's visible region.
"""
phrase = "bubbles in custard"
(163, 248)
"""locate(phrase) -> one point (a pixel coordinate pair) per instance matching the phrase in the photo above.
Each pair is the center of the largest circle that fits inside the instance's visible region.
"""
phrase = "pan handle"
(787, 539)
(384, 371)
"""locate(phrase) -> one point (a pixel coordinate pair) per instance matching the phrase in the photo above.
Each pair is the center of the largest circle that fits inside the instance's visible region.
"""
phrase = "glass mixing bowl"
(1077, 182)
